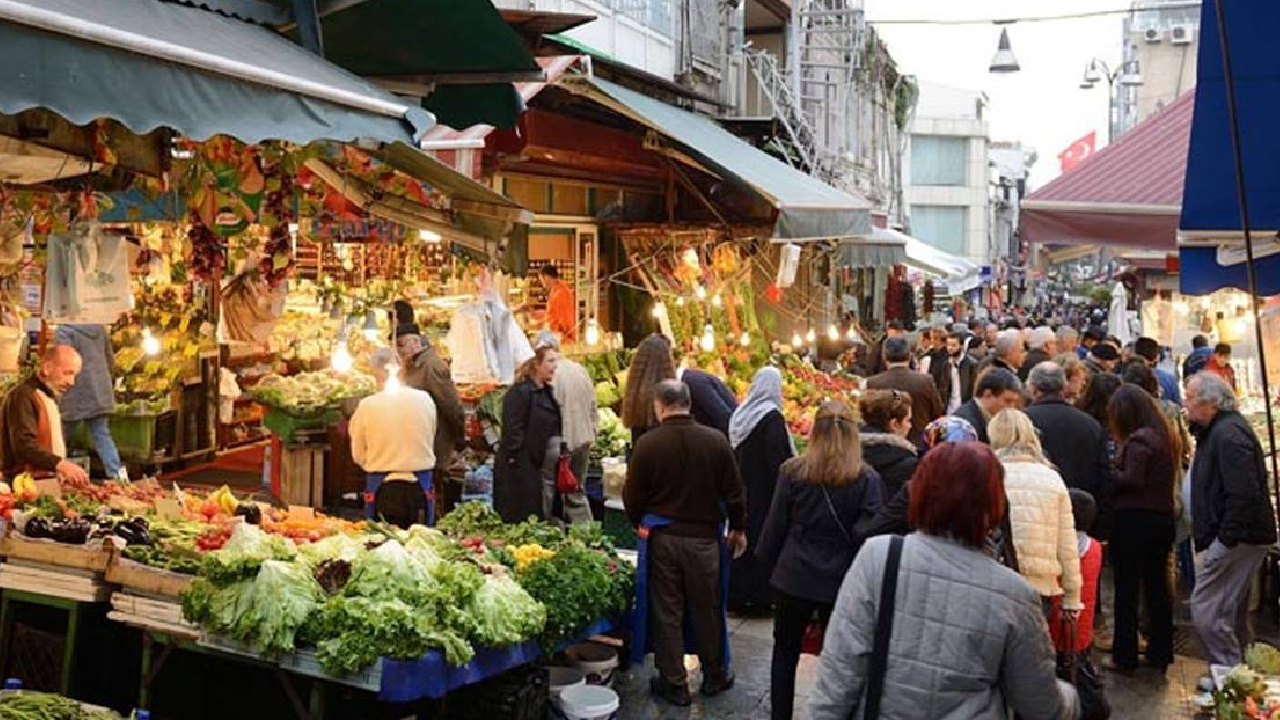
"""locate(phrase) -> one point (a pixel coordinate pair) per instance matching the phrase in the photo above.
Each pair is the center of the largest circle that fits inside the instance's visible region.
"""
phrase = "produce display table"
(8, 597)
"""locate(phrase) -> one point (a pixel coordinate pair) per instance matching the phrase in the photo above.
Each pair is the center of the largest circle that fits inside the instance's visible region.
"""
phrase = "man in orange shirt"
(562, 306)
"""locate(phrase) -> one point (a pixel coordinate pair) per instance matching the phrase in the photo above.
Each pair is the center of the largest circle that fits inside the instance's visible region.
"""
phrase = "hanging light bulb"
(658, 310)
(700, 292)
(593, 332)
(833, 332)
(715, 300)
(150, 343)
(745, 340)
(370, 328)
(811, 336)
(680, 302)
(341, 358)
(796, 342)
(708, 342)
(852, 335)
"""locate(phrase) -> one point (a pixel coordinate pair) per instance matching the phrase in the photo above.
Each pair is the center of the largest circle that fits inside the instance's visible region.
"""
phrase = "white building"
(946, 172)
(1163, 36)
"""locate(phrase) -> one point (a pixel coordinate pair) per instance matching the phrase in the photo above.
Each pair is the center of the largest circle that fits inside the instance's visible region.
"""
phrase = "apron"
(373, 481)
(641, 643)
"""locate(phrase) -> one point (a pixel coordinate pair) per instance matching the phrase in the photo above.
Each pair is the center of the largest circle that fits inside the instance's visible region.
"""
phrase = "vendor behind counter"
(31, 424)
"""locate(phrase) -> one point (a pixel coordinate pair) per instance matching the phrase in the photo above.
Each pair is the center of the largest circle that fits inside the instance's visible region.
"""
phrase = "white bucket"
(597, 661)
(559, 680)
(589, 702)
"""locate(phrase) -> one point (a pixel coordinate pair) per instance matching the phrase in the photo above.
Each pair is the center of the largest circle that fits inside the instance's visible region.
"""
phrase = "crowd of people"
(1013, 461)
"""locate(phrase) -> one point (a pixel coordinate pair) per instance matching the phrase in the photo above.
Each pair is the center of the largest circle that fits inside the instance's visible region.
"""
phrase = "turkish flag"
(1077, 151)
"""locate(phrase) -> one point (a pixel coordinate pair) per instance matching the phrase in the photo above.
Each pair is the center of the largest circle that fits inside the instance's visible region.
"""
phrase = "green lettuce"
(265, 611)
(505, 613)
(244, 553)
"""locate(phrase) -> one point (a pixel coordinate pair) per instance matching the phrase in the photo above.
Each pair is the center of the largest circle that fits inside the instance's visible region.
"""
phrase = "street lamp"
(1127, 74)
(1003, 61)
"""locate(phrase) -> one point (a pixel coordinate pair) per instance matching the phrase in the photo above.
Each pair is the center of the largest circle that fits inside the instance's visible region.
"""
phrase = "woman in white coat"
(1044, 531)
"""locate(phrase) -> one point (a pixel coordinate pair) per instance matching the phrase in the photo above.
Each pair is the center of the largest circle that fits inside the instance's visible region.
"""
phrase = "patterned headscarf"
(948, 429)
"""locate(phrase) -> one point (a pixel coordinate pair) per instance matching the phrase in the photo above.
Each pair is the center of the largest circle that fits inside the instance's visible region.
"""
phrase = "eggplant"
(251, 512)
(37, 527)
(73, 532)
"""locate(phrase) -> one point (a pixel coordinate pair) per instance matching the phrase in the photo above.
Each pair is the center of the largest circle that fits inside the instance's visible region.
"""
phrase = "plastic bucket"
(559, 680)
(589, 702)
(597, 661)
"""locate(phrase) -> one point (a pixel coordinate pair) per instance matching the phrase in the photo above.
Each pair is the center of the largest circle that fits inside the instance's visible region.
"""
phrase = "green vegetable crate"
(287, 425)
(140, 437)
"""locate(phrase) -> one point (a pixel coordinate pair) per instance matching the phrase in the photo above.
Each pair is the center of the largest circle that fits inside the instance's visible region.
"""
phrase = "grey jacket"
(969, 640)
(93, 395)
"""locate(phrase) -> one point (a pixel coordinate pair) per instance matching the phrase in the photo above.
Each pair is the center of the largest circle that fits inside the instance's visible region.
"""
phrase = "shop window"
(569, 200)
(941, 226)
(938, 160)
(532, 195)
(605, 200)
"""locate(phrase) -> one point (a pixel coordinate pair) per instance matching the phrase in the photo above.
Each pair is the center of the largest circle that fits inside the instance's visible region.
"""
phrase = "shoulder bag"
(879, 663)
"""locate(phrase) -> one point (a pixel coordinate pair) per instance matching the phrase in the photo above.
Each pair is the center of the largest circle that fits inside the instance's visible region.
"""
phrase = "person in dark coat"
(926, 406)
(809, 540)
(954, 372)
(761, 443)
(886, 417)
(1039, 349)
(1075, 443)
(530, 420)
(1008, 353)
(1143, 529)
(1231, 515)
(997, 390)
(713, 401)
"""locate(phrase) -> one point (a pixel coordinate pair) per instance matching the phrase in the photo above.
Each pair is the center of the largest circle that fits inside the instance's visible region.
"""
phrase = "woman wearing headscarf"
(761, 444)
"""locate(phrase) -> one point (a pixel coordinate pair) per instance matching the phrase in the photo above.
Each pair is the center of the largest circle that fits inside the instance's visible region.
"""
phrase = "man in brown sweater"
(30, 424)
(425, 370)
(682, 483)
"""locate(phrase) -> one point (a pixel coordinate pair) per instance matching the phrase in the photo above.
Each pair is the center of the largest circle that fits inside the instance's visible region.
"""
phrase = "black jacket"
(1034, 358)
(530, 418)
(971, 412)
(940, 369)
(1229, 498)
(686, 472)
(713, 402)
(894, 458)
(803, 541)
(1075, 443)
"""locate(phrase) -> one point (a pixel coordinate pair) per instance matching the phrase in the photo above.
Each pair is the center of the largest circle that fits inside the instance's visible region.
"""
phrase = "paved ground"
(1146, 695)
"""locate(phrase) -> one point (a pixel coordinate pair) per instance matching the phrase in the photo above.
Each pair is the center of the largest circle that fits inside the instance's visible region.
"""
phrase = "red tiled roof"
(1146, 166)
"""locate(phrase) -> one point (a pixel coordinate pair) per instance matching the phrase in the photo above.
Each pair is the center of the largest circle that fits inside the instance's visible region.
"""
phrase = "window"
(941, 226)
(938, 160)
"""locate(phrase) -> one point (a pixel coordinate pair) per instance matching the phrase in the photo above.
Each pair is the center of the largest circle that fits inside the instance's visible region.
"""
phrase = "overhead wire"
(1079, 15)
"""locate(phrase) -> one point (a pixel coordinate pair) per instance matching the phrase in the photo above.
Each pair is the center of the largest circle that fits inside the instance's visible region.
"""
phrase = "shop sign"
(358, 229)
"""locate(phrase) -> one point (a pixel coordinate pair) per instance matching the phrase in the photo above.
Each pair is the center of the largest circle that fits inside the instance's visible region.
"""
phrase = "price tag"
(300, 512)
(168, 509)
(49, 486)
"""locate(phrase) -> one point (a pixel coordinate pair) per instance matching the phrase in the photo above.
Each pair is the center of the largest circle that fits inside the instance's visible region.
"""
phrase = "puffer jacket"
(1044, 531)
(968, 637)
(893, 457)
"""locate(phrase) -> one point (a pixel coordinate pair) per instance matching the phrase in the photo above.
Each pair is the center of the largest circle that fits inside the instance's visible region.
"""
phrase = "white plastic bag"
(228, 393)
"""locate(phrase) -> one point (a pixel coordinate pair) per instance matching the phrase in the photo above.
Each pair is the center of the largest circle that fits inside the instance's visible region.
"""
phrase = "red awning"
(459, 149)
(1129, 193)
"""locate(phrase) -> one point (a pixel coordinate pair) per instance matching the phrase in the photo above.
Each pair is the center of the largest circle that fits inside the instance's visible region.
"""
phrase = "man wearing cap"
(393, 438)
(1092, 337)
(423, 369)
(574, 392)
(1102, 358)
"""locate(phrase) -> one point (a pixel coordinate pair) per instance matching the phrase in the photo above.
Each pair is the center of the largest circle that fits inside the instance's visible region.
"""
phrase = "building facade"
(946, 172)
(1163, 37)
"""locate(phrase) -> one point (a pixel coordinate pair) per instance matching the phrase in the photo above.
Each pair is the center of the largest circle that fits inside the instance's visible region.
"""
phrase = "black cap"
(404, 329)
(1103, 351)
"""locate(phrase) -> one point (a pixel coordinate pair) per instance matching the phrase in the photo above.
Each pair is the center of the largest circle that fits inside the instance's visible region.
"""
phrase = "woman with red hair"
(962, 635)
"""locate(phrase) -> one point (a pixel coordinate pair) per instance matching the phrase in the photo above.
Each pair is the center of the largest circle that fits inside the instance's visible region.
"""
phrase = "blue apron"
(373, 481)
(641, 642)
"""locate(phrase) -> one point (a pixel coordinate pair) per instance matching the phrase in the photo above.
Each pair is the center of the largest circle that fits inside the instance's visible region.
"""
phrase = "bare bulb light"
(700, 292)
(745, 340)
(679, 302)
(833, 333)
(715, 300)
(708, 342)
(852, 335)
(811, 336)
(593, 332)
(370, 328)
(658, 310)
(150, 343)
(796, 342)
(341, 358)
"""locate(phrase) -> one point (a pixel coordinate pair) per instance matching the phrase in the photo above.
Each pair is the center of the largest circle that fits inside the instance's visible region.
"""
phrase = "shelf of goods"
(405, 614)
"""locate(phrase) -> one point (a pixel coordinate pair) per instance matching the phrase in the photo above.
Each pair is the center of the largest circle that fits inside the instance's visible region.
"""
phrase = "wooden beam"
(144, 154)
(492, 210)
(477, 78)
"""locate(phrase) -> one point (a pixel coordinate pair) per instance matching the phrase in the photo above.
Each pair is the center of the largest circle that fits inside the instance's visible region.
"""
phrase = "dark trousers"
(791, 615)
(684, 573)
(1141, 543)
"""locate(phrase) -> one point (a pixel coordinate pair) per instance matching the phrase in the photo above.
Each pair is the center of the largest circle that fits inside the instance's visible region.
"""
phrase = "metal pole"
(1243, 198)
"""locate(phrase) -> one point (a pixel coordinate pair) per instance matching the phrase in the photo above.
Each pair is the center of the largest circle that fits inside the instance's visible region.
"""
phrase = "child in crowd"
(1083, 510)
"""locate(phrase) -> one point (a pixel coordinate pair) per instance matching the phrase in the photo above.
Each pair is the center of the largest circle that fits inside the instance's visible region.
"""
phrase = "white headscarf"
(765, 396)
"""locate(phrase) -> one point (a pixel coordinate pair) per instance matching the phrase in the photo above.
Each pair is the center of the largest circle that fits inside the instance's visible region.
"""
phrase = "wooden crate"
(152, 614)
(147, 580)
(54, 553)
(53, 583)
(302, 475)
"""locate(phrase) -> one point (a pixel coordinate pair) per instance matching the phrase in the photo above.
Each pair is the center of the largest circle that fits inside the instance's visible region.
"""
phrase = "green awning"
(462, 47)
(808, 209)
(870, 255)
(150, 64)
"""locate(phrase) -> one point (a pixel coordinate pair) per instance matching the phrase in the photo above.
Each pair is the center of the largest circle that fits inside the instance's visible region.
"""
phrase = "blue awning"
(1210, 209)
(1200, 273)
(151, 64)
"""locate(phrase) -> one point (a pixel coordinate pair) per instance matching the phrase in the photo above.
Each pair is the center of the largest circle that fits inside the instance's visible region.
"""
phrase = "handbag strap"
(836, 516)
(879, 665)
